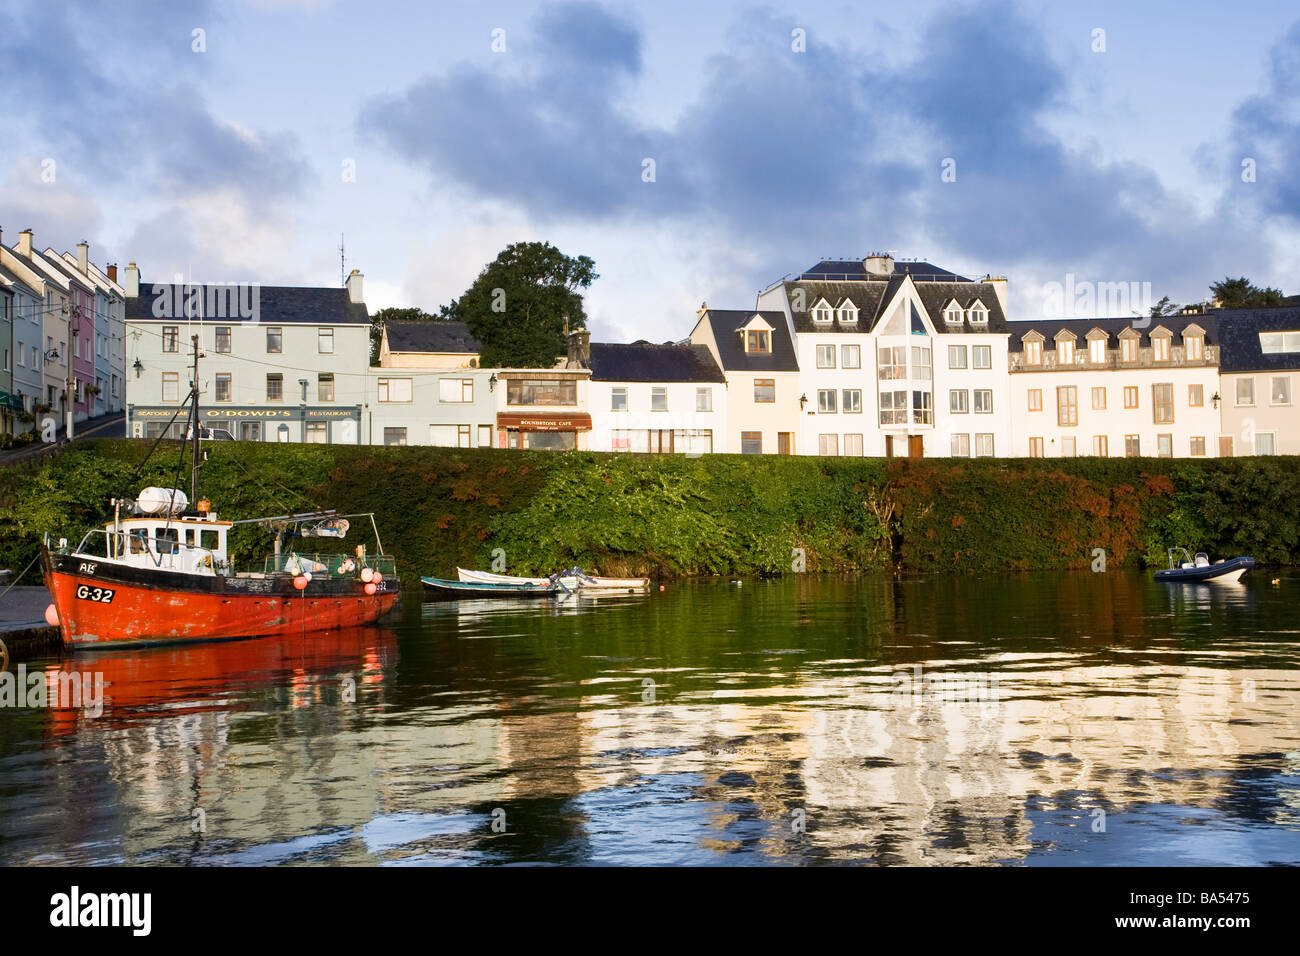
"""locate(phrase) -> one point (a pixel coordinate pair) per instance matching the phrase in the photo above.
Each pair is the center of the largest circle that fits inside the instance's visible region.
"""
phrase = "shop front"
(541, 430)
(313, 424)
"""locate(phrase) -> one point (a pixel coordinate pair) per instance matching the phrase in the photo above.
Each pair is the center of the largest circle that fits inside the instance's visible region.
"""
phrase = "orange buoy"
(377, 577)
(370, 588)
(300, 581)
(367, 575)
(52, 616)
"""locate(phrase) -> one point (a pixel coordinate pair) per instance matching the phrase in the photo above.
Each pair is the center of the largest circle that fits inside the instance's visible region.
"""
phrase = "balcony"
(1145, 359)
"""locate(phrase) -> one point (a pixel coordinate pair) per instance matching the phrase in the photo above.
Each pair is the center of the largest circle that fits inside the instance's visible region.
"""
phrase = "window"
(1195, 396)
(978, 314)
(396, 390)
(171, 386)
(1160, 348)
(1165, 446)
(1067, 447)
(1128, 349)
(821, 314)
(1132, 447)
(958, 399)
(956, 356)
(1035, 448)
(984, 446)
(274, 339)
(751, 443)
(1198, 447)
(1264, 443)
(893, 408)
(222, 390)
(274, 387)
(826, 401)
(922, 408)
(1162, 395)
(1067, 405)
(171, 338)
(394, 436)
(456, 391)
(1033, 353)
(1065, 352)
(1130, 396)
(981, 356)
(1194, 346)
(828, 444)
(1099, 398)
(1280, 393)
(921, 363)
(223, 338)
(1245, 391)
(851, 356)
(325, 341)
(1273, 342)
(1099, 446)
(659, 398)
(960, 446)
(1097, 351)
(845, 313)
(892, 362)
(983, 401)
(758, 340)
(764, 390)
(704, 400)
(618, 399)
(853, 446)
(825, 356)
(463, 435)
(325, 387)
(317, 433)
(851, 401)
(523, 391)
(1035, 399)
(952, 315)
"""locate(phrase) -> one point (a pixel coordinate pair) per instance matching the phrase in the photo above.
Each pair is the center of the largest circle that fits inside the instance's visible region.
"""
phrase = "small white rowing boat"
(582, 582)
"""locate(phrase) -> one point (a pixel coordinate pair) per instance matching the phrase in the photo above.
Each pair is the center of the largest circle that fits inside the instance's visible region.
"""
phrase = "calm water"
(1101, 719)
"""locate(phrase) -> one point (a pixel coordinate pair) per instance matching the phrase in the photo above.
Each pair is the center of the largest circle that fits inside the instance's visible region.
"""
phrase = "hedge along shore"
(669, 515)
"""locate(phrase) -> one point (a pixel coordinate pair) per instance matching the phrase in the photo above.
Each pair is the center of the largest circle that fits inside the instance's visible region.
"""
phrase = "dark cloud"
(1266, 129)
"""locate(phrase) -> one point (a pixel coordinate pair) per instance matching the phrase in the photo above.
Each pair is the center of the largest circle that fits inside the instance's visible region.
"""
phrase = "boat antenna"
(194, 431)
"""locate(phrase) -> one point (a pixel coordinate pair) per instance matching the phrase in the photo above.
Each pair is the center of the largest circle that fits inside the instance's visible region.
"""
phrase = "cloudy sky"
(1106, 142)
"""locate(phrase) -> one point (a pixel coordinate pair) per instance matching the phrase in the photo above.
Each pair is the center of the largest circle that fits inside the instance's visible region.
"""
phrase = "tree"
(381, 318)
(1163, 307)
(521, 302)
(1241, 293)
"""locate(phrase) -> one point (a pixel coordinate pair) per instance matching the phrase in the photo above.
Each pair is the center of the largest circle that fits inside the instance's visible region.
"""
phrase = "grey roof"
(644, 362)
(1239, 330)
(432, 336)
(855, 270)
(1048, 328)
(726, 322)
(273, 304)
(873, 296)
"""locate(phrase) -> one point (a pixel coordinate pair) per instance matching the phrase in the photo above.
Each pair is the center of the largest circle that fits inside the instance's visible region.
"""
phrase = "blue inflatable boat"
(1194, 569)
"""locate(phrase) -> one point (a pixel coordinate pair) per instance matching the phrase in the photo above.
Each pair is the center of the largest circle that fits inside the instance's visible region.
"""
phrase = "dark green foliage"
(1241, 293)
(520, 303)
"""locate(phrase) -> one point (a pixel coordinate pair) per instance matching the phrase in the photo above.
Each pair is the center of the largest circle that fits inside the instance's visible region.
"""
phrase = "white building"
(656, 398)
(1259, 370)
(1115, 387)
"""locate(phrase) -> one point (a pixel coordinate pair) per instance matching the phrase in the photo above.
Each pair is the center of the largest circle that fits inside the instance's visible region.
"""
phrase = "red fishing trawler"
(162, 573)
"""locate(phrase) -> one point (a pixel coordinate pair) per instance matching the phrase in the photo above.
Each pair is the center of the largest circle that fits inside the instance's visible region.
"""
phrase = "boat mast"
(194, 410)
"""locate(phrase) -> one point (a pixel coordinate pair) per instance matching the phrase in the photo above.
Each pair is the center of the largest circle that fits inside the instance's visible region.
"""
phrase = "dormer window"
(822, 313)
(1064, 348)
(1128, 346)
(953, 314)
(847, 312)
(1033, 353)
(978, 314)
(758, 340)
(1097, 350)
(1194, 343)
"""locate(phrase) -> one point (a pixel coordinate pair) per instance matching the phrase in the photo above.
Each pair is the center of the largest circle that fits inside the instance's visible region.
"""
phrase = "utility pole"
(194, 410)
(70, 383)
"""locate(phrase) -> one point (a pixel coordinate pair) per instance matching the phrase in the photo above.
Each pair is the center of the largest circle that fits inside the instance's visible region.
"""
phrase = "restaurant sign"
(579, 421)
(290, 413)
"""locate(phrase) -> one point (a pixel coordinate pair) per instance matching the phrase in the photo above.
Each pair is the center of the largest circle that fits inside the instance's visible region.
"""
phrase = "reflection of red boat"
(212, 676)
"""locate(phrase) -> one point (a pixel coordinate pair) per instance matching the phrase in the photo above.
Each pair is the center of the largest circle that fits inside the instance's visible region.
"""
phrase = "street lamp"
(139, 369)
(492, 382)
(803, 400)
(1215, 400)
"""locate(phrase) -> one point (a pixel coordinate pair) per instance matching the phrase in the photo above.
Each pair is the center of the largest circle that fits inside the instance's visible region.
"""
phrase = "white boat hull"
(600, 584)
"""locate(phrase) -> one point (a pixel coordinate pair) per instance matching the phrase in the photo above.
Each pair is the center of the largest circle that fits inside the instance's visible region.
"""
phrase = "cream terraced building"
(1259, 372)
(1115, 387)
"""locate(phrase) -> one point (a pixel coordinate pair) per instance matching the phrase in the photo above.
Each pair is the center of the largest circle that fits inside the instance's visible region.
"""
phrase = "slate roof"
(725, 322)
(1112, 326)
(873, 296)
(1239, 339)
(431, 337)
(644, 362)
(851, 270)
(276, 304)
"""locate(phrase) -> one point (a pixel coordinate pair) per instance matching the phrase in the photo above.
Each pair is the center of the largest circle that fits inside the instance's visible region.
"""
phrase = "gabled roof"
(852, 270)
(936, 295)
(724, 323)
(277, 305)
(18, 283)
(645, 362)
(1049, 328)
(1239, 330)
(431, 337)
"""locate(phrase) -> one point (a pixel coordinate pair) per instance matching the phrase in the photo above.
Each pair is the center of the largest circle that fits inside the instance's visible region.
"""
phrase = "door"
(1225, 446)
(250, 431)
(915, 446)
(889, 446)
(785, 443)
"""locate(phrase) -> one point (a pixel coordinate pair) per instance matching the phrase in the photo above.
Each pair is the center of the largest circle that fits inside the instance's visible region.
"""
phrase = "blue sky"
(228, 164)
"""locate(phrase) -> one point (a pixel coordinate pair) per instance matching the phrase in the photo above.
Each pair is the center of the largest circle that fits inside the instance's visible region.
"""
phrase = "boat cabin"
(196, 544)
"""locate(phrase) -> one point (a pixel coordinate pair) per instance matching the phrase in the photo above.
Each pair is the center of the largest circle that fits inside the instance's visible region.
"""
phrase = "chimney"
(999, 284)
(112, 272)
(354, 288)
(879, 265)
(83, 257)
(25, 244)
(699, 313)
(579, 349)
(131, 281)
